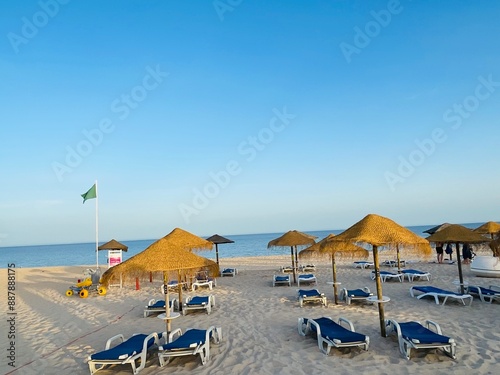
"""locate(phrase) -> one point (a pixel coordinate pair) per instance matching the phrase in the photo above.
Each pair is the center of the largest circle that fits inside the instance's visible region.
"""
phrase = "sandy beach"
(55, 334)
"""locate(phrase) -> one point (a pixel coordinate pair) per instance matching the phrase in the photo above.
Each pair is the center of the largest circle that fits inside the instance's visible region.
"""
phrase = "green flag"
(91, 194)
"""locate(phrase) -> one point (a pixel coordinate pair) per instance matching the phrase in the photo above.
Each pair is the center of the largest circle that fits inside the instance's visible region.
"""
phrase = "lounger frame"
(406, 345)
(202, 349)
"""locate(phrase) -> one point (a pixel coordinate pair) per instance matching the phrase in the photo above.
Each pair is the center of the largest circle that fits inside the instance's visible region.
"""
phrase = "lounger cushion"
(306, 276)
(281, 278)
(157, 305)
(190, 339)
(416, 272)
(123, 350)
(432, 289)
(198, 301)
(309, 293)
(334, 331)
(358, 293)
(415, 332)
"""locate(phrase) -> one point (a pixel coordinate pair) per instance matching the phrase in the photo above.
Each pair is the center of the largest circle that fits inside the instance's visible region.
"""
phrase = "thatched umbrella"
(437, 228)
(170, 253)
(490, 228)
(113, 245)
(324, 247)
(379, 231)
(457, 234)
(293, 238)
(216, 239)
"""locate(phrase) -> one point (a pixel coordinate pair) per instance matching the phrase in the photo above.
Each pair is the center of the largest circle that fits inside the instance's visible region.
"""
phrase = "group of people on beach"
(466, 252)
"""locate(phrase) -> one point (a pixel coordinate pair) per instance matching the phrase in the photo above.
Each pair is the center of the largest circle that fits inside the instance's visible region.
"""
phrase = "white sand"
(55, 333)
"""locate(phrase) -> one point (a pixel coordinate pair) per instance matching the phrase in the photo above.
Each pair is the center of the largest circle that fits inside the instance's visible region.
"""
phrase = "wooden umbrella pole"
(334, 270)
(379, 291)
(179, 286)
(398, 258)
(216, 253)
(293, 265)
(460, 275)
(167, 300)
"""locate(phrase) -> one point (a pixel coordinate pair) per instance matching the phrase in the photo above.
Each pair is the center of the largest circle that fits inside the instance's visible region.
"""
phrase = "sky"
(238, 116)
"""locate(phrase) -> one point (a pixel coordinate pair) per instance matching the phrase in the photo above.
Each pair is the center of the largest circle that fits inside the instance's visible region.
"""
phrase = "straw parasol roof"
(113, 245)
(457, 234)
(333, 249)
(437, 228)
(490, 228)
(170, 253)
(293, 238)
(379, 231)
(216, 239)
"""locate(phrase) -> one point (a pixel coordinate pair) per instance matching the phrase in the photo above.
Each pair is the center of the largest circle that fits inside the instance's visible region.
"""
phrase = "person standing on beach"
(439, 251)
(449, 250)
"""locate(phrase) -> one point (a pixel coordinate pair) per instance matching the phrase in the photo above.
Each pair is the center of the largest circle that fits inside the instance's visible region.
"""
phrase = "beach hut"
(293, 238)
(115, 250)
(216, 240)
(170, 254)
(457, 234)
(325, 247)
(378, 231)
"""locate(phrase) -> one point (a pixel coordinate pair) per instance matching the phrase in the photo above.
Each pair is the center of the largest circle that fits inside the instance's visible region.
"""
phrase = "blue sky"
(237, 117)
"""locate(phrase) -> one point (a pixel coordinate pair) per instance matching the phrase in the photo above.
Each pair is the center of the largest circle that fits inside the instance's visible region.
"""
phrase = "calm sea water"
(84, 253)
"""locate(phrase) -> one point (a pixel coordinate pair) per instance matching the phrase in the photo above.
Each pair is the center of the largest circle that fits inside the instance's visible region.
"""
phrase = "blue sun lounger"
(484, 294)
(413, 335)
(155, 306)
(385, 275)
(354, 295)
(312, 295)
(411, 274)
(199, 303)
(279, 279)
(192, 342)
(126, 352)
(306, 278)
(331, 334)
(436, 293)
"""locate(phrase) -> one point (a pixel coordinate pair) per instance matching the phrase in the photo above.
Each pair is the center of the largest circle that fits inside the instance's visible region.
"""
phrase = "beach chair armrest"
(111, 340)
(346, 323)
(433, 326)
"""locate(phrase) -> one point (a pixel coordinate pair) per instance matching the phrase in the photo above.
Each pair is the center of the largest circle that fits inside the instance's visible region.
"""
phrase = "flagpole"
(96, 226)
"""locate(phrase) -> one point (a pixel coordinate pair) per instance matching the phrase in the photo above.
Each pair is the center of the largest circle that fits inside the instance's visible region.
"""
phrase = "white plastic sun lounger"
(331, 334)
(199, 303)
(192, 342)
(412, 274)
(124, 352)
(282, 280)
(155, 306)
(436, 293)
(413, 335)
(306, 278)
(363, 264)
(354, 295)
(386, 275)
(485, 294)
(312, 295)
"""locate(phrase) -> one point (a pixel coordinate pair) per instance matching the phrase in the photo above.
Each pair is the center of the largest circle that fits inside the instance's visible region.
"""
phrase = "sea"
(76, 254)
